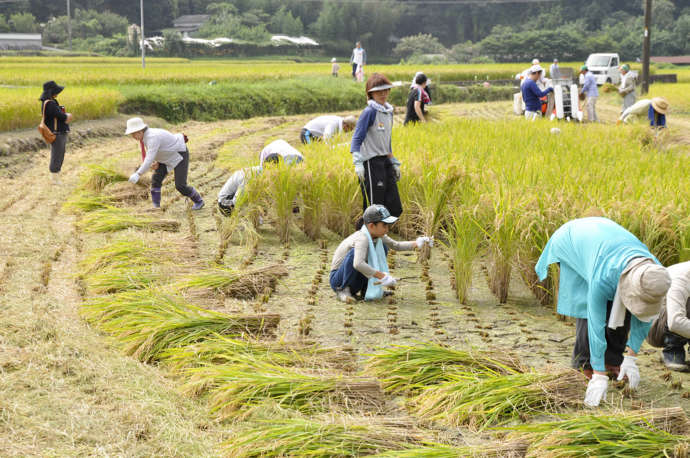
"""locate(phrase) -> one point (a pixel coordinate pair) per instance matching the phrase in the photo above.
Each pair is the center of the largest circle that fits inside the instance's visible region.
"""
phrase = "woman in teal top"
(608, 279)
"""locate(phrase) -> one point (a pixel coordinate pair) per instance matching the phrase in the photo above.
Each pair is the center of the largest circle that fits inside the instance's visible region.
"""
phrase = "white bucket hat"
(135, 125)
(643, 287)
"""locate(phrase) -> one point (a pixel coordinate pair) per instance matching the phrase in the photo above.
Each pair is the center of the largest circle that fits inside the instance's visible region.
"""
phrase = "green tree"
(417, 45)
(285, 23)
(4, 26)
(23, 23)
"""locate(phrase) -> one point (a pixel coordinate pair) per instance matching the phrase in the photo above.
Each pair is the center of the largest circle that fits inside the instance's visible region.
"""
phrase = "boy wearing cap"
(615, 287)
(359, 263)
(531, 94)
(169, 152)
(322, 128)
(372, 152)
(589, 89)
(627, 87)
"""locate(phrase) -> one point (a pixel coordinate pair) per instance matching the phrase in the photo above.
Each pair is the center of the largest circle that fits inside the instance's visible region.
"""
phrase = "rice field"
(235, 315)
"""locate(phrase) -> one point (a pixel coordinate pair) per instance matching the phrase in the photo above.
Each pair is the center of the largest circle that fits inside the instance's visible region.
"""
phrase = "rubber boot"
(156, 197)
(196, 198)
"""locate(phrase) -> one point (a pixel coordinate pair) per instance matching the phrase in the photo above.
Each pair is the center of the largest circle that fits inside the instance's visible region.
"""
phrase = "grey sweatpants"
(591, 108)
(57, 152)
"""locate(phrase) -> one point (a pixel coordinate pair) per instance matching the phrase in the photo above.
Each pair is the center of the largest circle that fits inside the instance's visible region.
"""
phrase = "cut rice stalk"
(310, 438)
(123, 191)
(83, 202)
(655, 433)
(479, 402)
(407, 368)
(118, 279)
(507, 450)
(97, 176)
(238, 389)
(147, 323)
(115, 219)
(239, 285)
(134, 252)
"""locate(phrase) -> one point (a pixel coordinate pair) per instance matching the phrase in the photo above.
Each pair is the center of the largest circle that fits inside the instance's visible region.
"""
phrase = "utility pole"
(69, 25)
(143, 47)
(646, 45)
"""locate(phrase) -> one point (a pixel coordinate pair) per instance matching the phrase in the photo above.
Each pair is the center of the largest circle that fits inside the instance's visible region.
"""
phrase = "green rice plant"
(503, 450)
(313, 190)
(83, 202)
(98, 176)
(658, 433)
(464, 237)
(482, 401)
(116, 219)
(351, 437)
(146, 323)
(233, 283)
(410, 368)
(220, 349)
(122, 278)
(283, 187)
(237, 390)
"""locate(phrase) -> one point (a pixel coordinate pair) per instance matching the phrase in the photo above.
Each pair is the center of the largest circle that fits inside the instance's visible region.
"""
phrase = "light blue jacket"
(592, 253)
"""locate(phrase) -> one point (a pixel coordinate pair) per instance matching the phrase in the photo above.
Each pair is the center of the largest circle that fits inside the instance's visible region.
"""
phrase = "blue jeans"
(347, 276)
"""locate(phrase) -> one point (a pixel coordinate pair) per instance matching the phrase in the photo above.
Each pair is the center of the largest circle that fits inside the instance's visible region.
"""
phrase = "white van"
(604, 67)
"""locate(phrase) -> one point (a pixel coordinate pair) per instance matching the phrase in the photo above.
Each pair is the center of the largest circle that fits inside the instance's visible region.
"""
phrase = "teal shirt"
(592, 253)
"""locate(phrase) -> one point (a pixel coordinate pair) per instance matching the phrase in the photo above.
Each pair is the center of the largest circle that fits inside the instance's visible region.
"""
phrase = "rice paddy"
(236, 315)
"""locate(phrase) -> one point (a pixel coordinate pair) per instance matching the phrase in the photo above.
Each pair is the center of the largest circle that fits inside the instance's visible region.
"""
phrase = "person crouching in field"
(372, 153)
(233, 188)
(280, 149)
(359, 263)
(163, 151)
(324, 127)
(615, 287)
(57, 120)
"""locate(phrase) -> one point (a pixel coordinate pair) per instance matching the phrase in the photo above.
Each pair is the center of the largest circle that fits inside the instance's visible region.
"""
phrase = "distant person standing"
(589, 89)
(57, 121)
(554, 70)
(358, 58)
(532, 95)
(334, 67)
(417, 100)
(627, 87)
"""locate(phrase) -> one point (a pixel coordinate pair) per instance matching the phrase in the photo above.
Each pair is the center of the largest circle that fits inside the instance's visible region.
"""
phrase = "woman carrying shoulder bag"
(57, 121)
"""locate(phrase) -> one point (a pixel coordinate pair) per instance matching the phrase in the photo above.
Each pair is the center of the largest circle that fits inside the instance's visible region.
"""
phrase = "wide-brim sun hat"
(50, 89)
(660, 105)
(135, 125)
(381, 87)
(643, 287)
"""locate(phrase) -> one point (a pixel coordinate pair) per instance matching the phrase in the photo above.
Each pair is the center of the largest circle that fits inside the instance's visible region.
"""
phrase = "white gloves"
(134, 178)
(629, 368)
(424, 240)
(388, 280)
(359, 170)
(596, 390)
(396, 170)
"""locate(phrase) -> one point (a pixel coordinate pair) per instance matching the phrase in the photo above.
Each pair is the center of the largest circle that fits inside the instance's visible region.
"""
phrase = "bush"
(417, 45)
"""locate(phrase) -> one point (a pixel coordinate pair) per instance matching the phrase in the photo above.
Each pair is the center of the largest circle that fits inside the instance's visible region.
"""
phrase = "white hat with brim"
(135, 125)
(535, 69)
(643, 287)
(381, 87)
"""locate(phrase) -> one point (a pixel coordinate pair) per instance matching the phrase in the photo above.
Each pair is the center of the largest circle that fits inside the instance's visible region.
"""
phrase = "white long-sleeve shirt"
(234, 187)
(163, 147)
(325, 126)
(283, 149)
(678, 299)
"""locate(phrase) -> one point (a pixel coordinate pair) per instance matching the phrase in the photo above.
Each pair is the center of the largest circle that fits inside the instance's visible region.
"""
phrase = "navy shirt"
(531, 95)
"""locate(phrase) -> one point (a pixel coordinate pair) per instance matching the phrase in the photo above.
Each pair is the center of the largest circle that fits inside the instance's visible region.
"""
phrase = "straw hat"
(643, 287)
(660, 105)
(135, 125)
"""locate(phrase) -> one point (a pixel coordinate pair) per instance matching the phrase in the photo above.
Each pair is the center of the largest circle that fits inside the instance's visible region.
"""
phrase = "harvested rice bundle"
(487, 400)
(97, 176)
(125, 192)
(118, 279)
(237, 390)
(227, 350)
(405, 368)
(311, 438)
(507, 450)
(147, 323)
(134, 252)
(656, 433)
(231, 283)
(116, 219)
(83, 202)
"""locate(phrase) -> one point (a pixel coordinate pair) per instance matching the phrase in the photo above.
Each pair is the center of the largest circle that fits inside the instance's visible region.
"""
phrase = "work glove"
(629, 368)
(388, 280)
(424, 240)
(396, 167)
(134, 178)
(596, 390)
(359, 170)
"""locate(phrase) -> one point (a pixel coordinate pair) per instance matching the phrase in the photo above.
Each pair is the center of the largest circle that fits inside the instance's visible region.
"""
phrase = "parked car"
(604, 67)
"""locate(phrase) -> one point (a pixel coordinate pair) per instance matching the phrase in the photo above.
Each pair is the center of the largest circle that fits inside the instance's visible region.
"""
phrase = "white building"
(20, 41)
